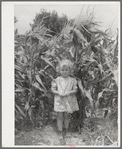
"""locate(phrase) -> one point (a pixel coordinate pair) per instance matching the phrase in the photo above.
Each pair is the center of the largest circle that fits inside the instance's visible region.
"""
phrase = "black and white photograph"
(65, 70)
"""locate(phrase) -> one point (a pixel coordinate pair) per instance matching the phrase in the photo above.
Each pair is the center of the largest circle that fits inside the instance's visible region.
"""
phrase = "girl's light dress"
(68, 103)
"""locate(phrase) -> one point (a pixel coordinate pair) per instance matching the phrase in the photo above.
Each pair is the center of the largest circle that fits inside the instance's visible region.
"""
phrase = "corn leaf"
(81, 87)
(42, 104)
(47, 61)
(38, 37)
(19, 68)
(72, 52)
(89, 96)
(49, 35)
(19, 109)
(97, 31)
(78, 36)
(38, 87)
(97, 104)
(105, 43)
(115, 72)
(29, 73)
(19, 53)
(20, 90)
(22, 75)
(100, 94)
(104, 90)
(101, 68)
(40, 81)
(19, 86)
(27, 105)
(16, 119)
(98, 40)
(30, 113)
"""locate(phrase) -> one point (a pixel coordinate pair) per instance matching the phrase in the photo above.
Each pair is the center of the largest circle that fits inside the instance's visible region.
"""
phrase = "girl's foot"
(65, 131)
(61, 137)
(60, 134)
(62, 142)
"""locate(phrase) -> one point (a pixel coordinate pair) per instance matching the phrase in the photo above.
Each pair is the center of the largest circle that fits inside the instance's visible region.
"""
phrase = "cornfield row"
(94, 53)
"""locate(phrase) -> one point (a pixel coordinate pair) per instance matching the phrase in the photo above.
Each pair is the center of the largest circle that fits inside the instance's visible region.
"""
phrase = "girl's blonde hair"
(67, 63)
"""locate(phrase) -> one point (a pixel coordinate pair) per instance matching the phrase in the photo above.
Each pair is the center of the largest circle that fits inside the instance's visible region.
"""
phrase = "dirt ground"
(103, 133)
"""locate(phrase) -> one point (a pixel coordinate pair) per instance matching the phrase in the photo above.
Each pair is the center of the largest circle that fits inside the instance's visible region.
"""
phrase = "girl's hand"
(67, 93)
(62, 94)
(71, 92)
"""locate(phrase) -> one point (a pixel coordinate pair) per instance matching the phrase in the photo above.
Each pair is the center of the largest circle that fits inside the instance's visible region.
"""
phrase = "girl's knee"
(60, 115)
(66, 115)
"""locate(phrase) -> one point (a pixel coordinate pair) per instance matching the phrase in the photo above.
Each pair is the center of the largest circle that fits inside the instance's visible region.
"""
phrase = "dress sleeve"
(75, 85)
(53, 85)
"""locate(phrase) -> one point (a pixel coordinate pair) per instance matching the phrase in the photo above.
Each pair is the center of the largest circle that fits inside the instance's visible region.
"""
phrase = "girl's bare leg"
(60, 121)
(66, 120)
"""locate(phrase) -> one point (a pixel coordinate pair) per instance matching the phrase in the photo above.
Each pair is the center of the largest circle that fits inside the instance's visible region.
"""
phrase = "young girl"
(64, 88)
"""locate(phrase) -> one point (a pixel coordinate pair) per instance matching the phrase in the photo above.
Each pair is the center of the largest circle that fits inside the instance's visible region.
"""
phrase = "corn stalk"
(27, 56)
(94, 54)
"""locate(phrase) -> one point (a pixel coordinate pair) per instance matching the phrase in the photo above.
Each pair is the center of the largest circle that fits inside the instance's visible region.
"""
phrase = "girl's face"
(65, 71)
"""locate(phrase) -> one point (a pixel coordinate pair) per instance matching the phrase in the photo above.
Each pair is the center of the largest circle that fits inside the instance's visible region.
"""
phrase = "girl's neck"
(65, 77)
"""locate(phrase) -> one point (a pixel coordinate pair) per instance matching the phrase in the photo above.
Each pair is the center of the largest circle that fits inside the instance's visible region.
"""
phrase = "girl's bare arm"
(71, 92)
(55, 92)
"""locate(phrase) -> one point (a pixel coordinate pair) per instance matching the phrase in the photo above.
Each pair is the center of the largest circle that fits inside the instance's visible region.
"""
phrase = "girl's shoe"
(60, 134)
(65, 131)
(62, 142)
(61, 137)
